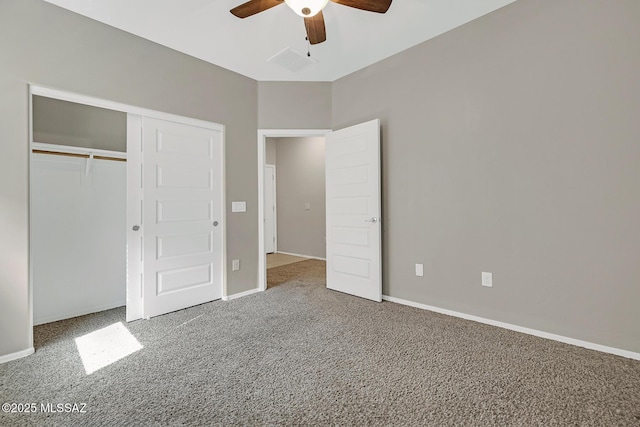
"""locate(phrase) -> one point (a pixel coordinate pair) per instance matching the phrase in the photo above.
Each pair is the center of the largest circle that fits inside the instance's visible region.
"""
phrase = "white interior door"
(182, 230)
(352, 166)
(269, 209)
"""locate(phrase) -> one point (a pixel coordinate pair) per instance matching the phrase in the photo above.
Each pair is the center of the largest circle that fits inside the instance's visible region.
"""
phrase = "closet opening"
(78, 191)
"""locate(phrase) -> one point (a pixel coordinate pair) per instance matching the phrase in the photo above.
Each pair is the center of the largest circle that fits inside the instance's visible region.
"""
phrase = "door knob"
(215, 223)
(373, 220)
(135, 228)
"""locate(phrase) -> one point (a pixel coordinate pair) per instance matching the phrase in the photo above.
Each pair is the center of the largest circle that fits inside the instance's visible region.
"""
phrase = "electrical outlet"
(419, 270)
(487, 279)
(235, 265)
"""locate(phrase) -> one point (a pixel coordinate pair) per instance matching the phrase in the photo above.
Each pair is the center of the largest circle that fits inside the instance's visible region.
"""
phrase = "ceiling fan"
(311, 11)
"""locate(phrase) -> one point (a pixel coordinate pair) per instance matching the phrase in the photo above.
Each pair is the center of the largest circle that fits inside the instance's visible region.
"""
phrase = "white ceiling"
(205, 29)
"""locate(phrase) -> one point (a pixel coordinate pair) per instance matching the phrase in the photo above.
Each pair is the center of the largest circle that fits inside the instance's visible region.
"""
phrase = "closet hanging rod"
(82, 152)
(84, 156)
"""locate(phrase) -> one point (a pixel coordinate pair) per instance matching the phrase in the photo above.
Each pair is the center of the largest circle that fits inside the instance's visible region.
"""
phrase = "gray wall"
(67, 123)
(49, 46)
(294, 105)
(511, 145)
(300, 180)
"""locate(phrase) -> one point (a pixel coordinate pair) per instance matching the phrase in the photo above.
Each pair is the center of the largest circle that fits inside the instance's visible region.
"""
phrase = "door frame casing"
(39, 90)
(263, 134)
(275, 208)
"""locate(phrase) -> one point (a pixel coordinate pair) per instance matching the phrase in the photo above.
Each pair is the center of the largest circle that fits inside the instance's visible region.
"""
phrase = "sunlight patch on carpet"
(105, 346)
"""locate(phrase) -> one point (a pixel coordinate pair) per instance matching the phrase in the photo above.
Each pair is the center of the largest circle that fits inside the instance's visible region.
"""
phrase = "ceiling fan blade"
(315, 28)
(380, 6)
(254, 6)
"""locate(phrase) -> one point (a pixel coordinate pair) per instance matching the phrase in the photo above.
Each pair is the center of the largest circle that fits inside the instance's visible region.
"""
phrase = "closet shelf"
(66, 150)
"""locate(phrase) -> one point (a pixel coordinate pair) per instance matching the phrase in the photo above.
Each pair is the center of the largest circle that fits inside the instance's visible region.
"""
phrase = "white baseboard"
(300, 255)
(17, 355)
(240, 294)
(535, 332)
(75, 313)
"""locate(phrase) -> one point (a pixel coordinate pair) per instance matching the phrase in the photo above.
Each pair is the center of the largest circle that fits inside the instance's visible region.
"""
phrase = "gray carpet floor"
(299, 354)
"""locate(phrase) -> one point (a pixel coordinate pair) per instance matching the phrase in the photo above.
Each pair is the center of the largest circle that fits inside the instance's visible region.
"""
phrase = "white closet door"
(182, 215)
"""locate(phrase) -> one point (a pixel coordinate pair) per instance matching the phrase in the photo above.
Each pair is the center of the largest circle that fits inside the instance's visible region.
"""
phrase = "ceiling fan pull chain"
(308, 46)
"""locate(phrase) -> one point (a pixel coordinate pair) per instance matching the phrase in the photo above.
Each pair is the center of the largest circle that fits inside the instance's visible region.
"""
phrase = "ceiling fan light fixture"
(306, 8)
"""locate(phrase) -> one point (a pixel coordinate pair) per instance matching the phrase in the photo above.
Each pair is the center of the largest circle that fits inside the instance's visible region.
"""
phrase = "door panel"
(353, 211)
(182, 214)
(183, 210)
(178, 279)
(181, 245)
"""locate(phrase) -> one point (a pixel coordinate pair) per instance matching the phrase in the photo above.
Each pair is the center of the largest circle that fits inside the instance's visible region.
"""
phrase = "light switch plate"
(235, 265)
(487, 279)
(419, 270)
(307, 206)
(238, 206)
